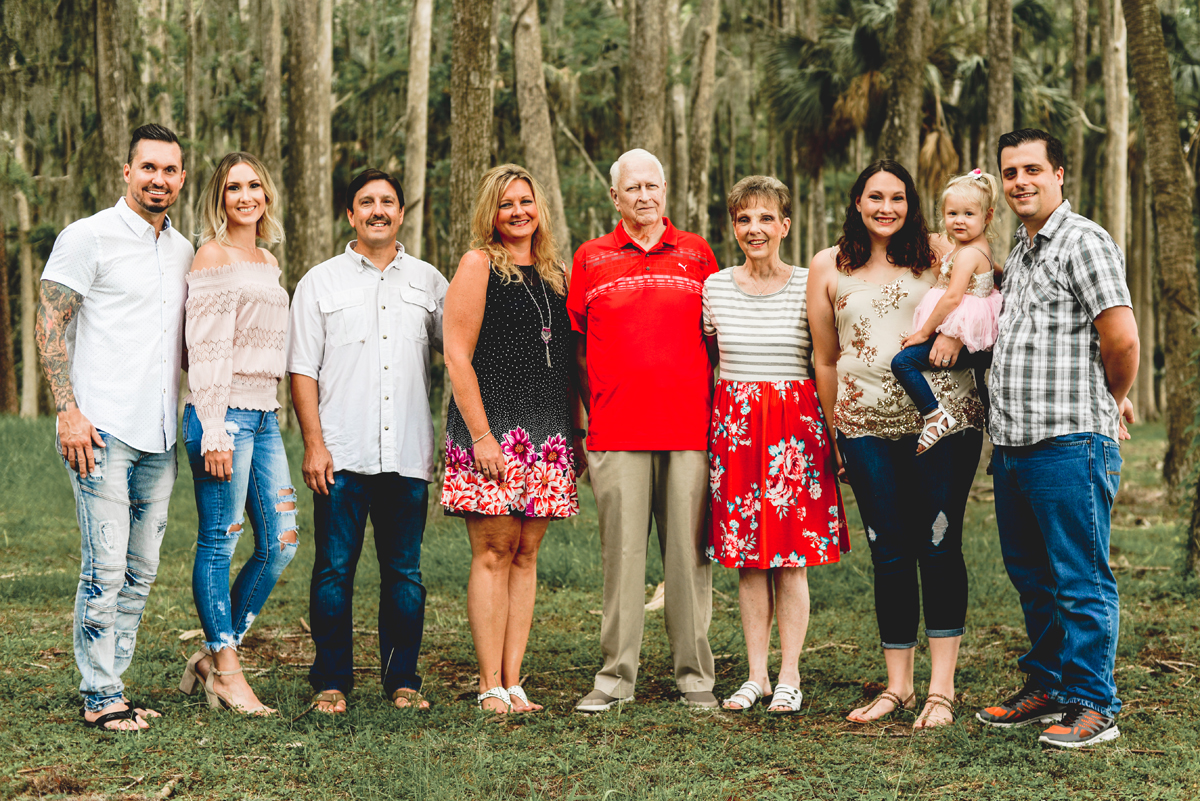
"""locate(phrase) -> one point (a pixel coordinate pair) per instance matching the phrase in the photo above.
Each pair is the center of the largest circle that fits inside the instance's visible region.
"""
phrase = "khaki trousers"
(630, 486)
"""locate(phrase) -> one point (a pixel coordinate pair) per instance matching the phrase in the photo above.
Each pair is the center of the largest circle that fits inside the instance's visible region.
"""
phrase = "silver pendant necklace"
(548, 319)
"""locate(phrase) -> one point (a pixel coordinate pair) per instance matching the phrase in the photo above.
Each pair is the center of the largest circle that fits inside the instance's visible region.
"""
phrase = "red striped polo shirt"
(651, 381)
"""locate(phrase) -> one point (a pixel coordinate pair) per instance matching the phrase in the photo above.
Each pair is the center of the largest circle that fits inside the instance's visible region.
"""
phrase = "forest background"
(435, 91)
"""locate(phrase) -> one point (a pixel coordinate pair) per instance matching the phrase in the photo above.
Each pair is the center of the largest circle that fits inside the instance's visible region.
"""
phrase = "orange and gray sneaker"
(1031, 705)
(1080, 727)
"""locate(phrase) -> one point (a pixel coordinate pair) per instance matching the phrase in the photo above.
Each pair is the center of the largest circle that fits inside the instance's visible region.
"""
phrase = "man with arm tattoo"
(110, 332)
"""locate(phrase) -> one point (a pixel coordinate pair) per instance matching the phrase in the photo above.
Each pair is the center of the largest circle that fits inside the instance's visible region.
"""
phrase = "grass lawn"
(652, 749)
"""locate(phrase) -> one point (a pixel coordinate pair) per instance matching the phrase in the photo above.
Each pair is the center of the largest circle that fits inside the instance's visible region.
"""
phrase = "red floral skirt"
(773, 477)
(538, 481)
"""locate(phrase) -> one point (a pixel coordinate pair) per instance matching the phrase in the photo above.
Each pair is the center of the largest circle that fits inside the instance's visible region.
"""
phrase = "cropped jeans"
(912, 507)
(122, 511)
(397, 506)
(262, 486)
(1053, 506)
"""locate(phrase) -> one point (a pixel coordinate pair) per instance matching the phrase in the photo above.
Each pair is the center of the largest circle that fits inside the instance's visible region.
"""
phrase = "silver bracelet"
(481, 436)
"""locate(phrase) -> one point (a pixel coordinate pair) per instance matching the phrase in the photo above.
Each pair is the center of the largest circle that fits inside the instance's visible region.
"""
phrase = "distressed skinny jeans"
(122, 511)
(262, 486)
(912, 508)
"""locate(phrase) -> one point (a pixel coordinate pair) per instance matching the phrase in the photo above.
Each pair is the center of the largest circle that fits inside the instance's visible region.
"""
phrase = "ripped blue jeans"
(262, 486)
(122, 511)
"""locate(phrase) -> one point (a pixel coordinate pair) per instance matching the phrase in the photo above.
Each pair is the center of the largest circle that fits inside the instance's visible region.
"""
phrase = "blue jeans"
(397, 506)
(122, 511)
(1053, 502)
(261, 483)
(912, 507)
(908, 364)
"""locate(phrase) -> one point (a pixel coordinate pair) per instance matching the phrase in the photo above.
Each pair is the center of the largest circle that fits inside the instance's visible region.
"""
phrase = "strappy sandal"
(323, 697)
(413, 697)
(898, 703)
(518, 692)
(102, 722)
(788, 697)
(936, 700)
(495, 692)
(937, 425)
(750, 691)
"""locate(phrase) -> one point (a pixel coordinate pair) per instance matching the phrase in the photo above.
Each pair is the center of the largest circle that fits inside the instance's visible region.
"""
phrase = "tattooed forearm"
(57, 308)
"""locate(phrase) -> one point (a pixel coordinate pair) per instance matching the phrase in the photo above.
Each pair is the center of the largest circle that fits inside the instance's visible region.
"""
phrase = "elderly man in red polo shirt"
(647, 382)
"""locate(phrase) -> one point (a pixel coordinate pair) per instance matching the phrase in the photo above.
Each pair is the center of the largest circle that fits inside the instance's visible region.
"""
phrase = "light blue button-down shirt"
(126, 343)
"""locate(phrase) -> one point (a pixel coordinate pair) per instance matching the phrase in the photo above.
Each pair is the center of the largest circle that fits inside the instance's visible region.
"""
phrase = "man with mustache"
(363, 325)
(118, 276)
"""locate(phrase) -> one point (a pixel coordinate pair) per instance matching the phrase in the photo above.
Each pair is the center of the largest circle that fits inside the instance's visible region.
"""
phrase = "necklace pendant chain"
(546, 334)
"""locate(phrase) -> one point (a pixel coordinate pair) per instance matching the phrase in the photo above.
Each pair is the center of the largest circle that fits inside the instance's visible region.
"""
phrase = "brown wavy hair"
(909, 247)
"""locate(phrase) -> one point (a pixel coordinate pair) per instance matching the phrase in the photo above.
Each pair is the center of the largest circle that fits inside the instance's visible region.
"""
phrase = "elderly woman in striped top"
(776, 505)
(237, 317)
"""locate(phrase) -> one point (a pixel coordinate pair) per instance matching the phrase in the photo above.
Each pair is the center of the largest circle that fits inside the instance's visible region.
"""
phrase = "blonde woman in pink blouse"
(235, 331)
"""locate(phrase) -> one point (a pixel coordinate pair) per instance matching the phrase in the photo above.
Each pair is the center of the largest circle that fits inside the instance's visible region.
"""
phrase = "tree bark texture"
(1074, 186)
(1000, 107)
(537, 133)
(647, 71)
(1116, 120)
(700, 124)
(1140, 269)
(29, 293)
(309, 173)
(901, 136)
(678, 146)
(191, 122)
(819, 235)
(111, 103)
(1173, 219)
(470, 117)
(416, 125)
(9, 403)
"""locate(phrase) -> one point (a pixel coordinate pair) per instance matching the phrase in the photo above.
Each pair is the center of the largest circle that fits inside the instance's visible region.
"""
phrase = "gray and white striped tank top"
(760, 337)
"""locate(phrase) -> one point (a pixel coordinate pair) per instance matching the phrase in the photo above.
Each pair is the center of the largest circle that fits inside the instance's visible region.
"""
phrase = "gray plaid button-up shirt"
(1047, 376)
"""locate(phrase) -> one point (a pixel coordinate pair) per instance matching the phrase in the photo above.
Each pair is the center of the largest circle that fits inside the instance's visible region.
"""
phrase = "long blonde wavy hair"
(484, 236)
(214, 221)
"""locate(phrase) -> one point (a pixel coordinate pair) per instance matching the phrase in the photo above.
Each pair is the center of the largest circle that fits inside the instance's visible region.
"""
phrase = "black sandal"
(103, 721)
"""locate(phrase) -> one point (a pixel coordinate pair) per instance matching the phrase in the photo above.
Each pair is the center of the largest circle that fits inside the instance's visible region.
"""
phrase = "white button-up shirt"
(366, 337)
(126, 342)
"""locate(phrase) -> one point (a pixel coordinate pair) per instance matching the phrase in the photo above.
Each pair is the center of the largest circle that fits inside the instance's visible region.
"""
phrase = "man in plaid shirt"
(1062, 366)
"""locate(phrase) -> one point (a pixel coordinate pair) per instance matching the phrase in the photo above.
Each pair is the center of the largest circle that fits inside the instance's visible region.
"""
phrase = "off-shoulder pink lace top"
(236, 330)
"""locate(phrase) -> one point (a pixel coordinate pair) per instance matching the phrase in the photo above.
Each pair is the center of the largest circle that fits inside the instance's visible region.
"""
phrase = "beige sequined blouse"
(872, 321)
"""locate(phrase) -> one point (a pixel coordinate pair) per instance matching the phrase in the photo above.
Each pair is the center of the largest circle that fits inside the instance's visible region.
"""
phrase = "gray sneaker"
(703, 699)
(599, 701)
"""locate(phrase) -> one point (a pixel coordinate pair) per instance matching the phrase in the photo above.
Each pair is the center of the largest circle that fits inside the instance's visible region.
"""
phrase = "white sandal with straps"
(747, 695)
(518, 692)
(495, 692)
(937, 425)
(788, 697)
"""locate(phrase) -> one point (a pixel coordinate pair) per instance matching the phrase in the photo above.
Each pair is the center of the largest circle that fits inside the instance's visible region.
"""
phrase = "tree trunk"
(901, 136)
(647, 73)
(537, 134)
(794, 174)
(191, 81)
(8, 371)
(1146, 317)
(111, 104)
(28, 281)
(1173, 218)
(308, 176)
(416, 125)
(1074, 187)
(1116, 120)
(470, 117)
(1000, 106)
(678, 186)
(818, 235)
(701, 123)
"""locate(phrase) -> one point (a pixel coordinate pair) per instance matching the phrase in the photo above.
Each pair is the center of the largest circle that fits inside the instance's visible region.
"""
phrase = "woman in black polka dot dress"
(510, 448)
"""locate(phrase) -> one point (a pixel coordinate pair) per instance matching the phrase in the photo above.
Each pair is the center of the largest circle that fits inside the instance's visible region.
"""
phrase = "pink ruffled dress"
(974, 321)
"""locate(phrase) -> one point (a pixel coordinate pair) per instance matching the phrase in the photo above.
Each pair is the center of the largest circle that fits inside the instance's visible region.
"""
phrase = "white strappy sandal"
(518, 692)
(747, 695)
(937, 425)
(788, 697)
(495, 692)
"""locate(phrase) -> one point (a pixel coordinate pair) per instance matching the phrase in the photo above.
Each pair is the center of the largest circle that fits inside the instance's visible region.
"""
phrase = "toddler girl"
(963, 303)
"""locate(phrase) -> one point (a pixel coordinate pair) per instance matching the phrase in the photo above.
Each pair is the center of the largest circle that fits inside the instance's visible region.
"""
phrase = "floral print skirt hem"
(775, 496)
(538, 481)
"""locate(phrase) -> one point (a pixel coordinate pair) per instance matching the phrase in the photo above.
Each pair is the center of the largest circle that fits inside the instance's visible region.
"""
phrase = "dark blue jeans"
(908, 364)
(912, 507)
(397, 506)
(1053, 503)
